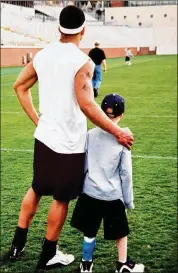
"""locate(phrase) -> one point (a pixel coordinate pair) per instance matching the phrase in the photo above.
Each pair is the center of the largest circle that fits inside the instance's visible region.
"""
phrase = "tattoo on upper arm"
(87, 81)
(88, 74)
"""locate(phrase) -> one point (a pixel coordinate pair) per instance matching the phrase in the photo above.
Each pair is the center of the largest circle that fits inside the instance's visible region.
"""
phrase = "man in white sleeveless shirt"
(66, 98)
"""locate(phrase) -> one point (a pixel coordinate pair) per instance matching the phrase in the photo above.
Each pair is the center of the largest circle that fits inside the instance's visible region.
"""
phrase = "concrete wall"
(166, 50)
(14, 56)
(151, 16)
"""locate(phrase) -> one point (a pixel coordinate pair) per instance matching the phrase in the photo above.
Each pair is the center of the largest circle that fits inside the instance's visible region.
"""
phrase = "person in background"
(99, 58)
(99, 10)
(128, 56)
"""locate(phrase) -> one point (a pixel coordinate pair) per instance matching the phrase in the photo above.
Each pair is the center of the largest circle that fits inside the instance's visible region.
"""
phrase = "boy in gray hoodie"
(107, 192)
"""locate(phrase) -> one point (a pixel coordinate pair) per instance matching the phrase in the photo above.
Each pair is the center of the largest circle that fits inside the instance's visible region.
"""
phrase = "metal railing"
(92, 4)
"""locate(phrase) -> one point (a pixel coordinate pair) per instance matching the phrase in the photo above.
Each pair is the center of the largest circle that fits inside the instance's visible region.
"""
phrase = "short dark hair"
(71, 19)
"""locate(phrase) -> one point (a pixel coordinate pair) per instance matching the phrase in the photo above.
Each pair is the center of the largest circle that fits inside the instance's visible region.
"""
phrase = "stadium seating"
(28, 30)
(12, 38)
(49, 10)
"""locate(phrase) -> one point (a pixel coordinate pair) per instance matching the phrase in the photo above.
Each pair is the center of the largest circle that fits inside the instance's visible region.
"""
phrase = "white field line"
(12, 113)
(129, 116)
(149, 116)
(8, 83)
(155, 157)
(133, 84)
(17, 150)
(121, 63)
(4, 96)
(134, 156)
(115, 84)
(128, 97)
(142, 97)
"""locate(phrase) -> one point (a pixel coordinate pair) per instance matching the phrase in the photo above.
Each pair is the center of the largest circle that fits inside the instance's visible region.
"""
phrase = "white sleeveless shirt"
(62, 125)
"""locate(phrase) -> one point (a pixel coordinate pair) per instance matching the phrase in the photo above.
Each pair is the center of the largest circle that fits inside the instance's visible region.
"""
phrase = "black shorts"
(89, 212)
(127, 59)
(59, 175)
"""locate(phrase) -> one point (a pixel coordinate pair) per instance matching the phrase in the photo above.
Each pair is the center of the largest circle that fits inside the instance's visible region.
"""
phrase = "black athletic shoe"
(95, 90)
(129, 266)
(86, 266)
(14, 253)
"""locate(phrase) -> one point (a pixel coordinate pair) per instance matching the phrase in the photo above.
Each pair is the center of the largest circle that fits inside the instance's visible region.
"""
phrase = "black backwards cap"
(115, 102)
(71, 20)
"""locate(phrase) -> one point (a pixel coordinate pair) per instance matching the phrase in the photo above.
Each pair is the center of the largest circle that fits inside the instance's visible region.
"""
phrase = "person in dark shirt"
(98, 57)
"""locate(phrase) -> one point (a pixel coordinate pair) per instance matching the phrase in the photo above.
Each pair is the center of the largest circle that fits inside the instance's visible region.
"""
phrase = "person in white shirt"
(66, 98)
(107, 191)
(128, 56)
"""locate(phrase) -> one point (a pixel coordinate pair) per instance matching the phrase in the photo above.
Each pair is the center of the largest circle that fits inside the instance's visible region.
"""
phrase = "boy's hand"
(125, 138)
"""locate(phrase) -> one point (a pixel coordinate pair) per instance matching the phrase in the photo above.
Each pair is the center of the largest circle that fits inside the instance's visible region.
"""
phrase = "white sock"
(123, 262)
(85, 260)
(89, 240)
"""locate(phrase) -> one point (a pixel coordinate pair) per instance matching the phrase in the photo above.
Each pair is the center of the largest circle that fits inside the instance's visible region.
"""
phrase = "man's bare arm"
(24, 82)
(85, 98)
(104, 65)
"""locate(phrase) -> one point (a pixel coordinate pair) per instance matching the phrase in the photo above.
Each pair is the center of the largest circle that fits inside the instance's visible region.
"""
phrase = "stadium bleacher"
(24, 28)
(12, 38)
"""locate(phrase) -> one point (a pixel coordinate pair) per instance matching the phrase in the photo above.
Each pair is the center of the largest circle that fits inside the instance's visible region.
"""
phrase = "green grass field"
(149, 87)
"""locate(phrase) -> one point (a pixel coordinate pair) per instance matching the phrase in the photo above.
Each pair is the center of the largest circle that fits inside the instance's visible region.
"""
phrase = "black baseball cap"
(115, 102)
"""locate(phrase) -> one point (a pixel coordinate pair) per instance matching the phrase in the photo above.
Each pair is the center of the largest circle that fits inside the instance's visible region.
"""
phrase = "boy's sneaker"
(60, 259)
(86, 266)
(129, 266)
(14, 253)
